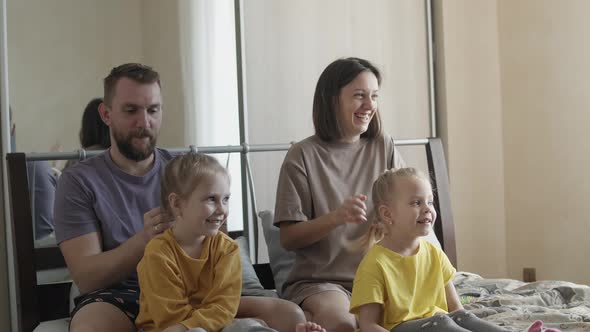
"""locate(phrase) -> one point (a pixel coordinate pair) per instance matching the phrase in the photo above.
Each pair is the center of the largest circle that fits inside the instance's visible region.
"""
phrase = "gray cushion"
(280, 259)
(251, 286)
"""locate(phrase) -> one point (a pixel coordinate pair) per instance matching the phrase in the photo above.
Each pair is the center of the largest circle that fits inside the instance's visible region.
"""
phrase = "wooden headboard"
(38, 303)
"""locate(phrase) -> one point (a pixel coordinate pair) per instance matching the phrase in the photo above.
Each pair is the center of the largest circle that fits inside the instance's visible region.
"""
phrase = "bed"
(510, 303)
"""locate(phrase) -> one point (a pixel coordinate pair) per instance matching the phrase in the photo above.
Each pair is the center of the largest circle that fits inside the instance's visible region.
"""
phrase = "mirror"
(59, 51)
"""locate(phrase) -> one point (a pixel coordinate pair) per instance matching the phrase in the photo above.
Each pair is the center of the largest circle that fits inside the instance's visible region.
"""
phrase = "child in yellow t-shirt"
(404, 283)
(190, 276)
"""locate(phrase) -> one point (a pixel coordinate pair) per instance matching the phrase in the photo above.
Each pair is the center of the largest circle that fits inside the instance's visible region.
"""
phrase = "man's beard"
(125, 145)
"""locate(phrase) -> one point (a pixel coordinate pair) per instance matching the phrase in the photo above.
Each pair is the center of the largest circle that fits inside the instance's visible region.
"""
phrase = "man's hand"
(154, 223)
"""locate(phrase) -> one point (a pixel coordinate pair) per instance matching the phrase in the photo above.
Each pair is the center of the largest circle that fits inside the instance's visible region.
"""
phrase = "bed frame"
(39, 303)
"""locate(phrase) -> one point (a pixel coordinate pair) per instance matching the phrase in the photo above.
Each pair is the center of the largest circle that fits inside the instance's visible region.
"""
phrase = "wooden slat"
(54, 301)
(23, 244)
(49, 258)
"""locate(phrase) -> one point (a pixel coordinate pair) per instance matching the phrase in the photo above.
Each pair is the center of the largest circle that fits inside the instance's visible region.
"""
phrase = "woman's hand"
(295, 235)
(353, 210)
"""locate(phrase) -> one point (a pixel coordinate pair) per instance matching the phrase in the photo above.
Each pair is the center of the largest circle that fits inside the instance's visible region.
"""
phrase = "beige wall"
(58, 51)
(469, 101)
(544, 55)
(161, 45)
(513, 109)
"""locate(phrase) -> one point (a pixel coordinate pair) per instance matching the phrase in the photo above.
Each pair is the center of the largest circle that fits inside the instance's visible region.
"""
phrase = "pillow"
(251, 286)
(280, 259)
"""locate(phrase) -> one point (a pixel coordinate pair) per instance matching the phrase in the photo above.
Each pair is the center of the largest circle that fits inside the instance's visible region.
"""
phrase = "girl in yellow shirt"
(404, 283)
(190, 276)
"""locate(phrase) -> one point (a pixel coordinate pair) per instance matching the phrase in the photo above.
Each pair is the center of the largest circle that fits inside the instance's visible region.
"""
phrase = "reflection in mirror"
(59, 51)
(42, 176)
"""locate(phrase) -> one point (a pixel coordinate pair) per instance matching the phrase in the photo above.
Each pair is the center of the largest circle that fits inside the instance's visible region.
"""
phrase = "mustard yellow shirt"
(408, 287)
(176, 288)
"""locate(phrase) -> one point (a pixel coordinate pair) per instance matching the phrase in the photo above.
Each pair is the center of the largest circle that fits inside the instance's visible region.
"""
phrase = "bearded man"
(108, 207)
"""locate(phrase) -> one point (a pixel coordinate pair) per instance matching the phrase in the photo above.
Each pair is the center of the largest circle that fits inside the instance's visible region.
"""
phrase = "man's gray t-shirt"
(97, 196)
(316, 178)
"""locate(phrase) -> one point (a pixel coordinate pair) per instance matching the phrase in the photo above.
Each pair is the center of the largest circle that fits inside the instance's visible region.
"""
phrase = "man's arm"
(92, 269)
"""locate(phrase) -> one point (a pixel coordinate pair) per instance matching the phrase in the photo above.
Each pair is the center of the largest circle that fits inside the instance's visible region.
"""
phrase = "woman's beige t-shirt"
(316, 178)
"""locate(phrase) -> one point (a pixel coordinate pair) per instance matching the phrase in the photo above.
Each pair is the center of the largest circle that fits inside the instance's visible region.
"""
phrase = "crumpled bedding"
(515, 305)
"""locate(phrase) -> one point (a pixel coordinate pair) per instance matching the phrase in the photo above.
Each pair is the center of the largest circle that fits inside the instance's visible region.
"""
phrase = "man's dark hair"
(325, 100)
(134, 71)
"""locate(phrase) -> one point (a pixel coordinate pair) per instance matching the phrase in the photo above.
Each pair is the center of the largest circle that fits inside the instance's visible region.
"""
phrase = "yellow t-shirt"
(176, 288)
(408, 287)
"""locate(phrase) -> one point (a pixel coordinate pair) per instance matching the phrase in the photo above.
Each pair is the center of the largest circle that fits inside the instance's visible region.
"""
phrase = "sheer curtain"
(209, 77)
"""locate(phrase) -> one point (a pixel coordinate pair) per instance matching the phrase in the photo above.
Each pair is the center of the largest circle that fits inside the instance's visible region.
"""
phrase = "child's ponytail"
(370, 238)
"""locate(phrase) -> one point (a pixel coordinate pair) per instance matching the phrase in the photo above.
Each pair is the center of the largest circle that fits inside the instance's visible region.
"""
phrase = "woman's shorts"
(298, 292)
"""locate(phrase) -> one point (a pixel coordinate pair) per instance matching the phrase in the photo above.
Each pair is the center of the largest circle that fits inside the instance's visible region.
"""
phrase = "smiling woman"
(324, 190)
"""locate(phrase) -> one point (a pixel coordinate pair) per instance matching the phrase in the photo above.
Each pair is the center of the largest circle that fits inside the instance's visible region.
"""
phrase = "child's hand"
(353, 210)
(176, 328)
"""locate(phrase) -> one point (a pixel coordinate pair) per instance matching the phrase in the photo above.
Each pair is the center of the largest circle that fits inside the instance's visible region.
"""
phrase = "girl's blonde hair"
(182, 176)
(383, 191)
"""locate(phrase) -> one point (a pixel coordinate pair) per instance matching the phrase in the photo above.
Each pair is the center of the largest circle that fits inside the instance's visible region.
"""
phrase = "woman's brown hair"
(325, 100)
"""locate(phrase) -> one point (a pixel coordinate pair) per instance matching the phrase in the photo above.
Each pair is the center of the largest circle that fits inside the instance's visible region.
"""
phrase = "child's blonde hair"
(183, 174)
(383, 191)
